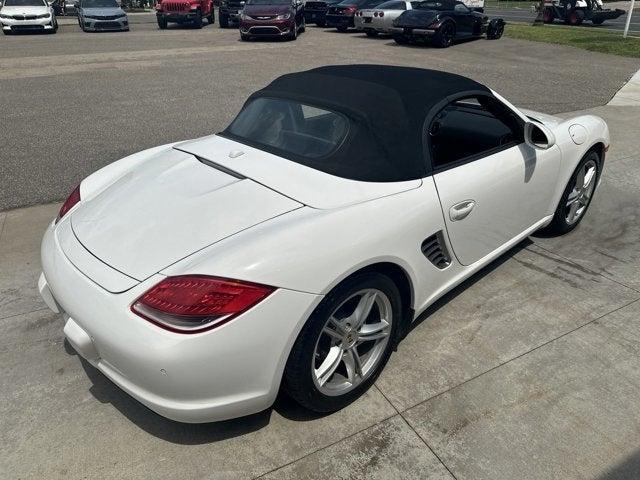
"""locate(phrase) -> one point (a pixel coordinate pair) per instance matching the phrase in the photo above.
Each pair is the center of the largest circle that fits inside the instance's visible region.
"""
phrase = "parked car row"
(39, 15)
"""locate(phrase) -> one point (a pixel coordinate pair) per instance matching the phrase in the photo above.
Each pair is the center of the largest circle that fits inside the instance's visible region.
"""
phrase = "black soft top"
(387, 107)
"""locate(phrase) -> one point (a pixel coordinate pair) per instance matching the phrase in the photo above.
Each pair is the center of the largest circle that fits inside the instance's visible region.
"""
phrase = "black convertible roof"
(387, 107)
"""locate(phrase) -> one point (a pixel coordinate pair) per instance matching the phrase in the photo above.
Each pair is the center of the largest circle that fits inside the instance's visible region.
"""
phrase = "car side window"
(470, 128)
(460, 7)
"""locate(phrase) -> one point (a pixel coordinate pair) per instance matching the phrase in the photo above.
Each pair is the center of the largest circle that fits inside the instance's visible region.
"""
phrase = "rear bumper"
(416, 32)
(374, 24)
(339, 21)
(231, 371)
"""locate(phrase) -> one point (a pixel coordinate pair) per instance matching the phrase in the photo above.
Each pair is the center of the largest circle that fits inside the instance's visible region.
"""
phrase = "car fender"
(597, 133)
(313, 250)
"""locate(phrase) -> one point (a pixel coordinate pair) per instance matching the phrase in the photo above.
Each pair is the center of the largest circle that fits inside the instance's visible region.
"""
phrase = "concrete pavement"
(529, 370)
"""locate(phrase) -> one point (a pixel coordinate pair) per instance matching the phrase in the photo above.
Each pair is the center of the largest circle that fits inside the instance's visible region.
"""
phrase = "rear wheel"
(548, 15)
(6, 32)
(597, 21)
(211, 17)
(577, 196)
(371, 33)
(445, 35)
(321, 23)
(342, 29)
(223, 20)
(345, 344)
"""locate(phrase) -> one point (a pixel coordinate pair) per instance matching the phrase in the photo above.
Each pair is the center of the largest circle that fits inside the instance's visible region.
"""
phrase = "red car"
(184, 11)
(272, 18)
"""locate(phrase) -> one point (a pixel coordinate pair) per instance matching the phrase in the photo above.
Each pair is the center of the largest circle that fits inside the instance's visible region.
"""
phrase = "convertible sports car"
(442, 22)
(294, 249)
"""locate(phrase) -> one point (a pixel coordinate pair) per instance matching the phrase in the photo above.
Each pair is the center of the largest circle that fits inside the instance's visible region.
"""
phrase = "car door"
(464, 20)
(492, 186)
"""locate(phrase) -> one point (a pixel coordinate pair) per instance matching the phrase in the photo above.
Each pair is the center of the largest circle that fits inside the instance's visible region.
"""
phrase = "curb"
(629, 94)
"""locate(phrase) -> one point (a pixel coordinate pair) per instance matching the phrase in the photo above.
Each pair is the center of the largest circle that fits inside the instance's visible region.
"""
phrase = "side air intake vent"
(435, 250)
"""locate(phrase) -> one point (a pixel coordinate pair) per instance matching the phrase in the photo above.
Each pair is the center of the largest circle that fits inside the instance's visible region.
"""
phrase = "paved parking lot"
(531, 369)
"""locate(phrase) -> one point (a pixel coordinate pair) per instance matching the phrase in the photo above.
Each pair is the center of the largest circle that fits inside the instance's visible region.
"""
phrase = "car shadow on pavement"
(449, 296)
(628, 469)
(106, 391)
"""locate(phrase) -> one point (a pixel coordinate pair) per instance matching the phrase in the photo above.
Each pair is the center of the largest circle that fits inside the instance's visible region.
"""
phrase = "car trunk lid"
(168, 208)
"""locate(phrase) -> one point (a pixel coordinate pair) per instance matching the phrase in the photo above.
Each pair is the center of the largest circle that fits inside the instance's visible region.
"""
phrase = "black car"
(229, 12)
(341, 15)
(316, 11)
(442, 22)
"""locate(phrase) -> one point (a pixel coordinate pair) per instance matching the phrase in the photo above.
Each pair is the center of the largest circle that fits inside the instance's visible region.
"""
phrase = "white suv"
(27, 15)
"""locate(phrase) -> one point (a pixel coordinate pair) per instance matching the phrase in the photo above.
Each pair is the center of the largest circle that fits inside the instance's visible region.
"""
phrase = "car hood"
(304, 184)
(266, 10)
(24, 10)
(168, 207)
(108, 11)
(416, 18)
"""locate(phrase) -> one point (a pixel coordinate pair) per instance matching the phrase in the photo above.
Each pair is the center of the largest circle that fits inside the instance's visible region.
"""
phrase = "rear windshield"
(99, 4)
(430, 5)
(290, 127)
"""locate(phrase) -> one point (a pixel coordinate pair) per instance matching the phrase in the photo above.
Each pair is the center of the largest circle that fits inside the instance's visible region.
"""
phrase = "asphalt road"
(73, 102)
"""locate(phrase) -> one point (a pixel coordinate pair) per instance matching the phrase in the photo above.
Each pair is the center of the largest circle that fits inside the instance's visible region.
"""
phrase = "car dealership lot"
(530, 370)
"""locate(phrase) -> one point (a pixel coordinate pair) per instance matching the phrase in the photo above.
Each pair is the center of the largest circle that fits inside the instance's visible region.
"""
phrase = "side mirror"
(538, 136)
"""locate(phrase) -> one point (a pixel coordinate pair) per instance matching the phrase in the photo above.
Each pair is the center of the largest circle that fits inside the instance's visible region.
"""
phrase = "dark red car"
(341, 15)
(272, 18)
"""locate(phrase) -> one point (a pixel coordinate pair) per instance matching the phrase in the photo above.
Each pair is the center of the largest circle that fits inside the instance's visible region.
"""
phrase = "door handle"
(461, 210)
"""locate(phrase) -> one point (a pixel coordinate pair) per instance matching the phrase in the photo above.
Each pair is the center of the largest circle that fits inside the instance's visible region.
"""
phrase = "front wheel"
(495, 30)
(575, 17)
(371, 33)
(577, 196)
(342, 29)
(400, 39)
(345, 344)
(211, 18)
(162, 23)
(548, 15)
(245, 38)
(321, 24)
(597, 21)
(198, 21)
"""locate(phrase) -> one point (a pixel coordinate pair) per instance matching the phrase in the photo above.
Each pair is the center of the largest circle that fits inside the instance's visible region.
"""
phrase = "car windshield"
(441, 6)
(99, 4)
(360, 3)
(268, 2)
(290, 127)
(24, 3)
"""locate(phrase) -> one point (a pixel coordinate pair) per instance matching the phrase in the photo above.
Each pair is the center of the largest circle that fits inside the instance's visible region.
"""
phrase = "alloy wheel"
(581, 193)
(352, 342)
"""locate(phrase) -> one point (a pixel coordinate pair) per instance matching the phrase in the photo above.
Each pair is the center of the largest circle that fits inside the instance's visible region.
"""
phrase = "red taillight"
(381, 14)
(69, 203)
(351, 9)
(375, 14)
(194, 303)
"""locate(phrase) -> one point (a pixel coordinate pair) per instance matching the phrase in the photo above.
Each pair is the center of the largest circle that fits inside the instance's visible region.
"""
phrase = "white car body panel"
(289, 178)
(284, 225)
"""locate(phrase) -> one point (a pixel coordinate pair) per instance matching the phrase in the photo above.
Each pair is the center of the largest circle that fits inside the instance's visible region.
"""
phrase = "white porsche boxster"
(293, 249)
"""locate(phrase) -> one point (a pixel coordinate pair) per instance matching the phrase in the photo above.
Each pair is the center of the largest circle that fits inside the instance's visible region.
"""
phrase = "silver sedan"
(377, 20)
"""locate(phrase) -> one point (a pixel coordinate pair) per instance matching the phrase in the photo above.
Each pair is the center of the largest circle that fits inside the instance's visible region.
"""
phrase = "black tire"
(575, 17)
(54, 24)
(198, 21)
(559, 224)
(400, 39)
(294, 32)
(321, 24)
(371, 33)
(342, 29)
(303, 28)
(6, 32)
(548, 15)
(298, 381)
(245, 38)
(223, 20)
(211, 18)
(598, 21)
(162, 23)
(495, 29)
(445, 35)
